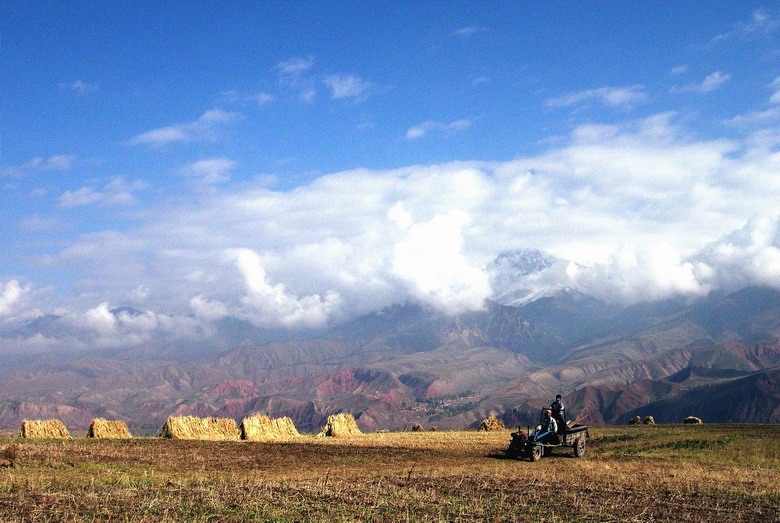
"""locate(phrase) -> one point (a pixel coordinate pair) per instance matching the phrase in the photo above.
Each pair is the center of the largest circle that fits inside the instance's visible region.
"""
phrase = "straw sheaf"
(264, 428)
(192, 427)
(44, 428)
(340, 425)
(491, 424)
(104, 429)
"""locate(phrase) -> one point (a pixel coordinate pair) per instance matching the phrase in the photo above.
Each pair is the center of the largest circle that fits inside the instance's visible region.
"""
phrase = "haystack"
(649, 420)
(191, 427)
(340, 425)
(104, 429)
(263, 428)
(44, 428)
(636, 420)
(417, 428)
(491, 424)
(693, 420)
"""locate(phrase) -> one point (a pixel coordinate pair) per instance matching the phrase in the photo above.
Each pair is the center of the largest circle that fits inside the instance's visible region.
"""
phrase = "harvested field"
(104, 429)
(263, 428)
(660, 473)
(339, 426)
(44, 429)
(191, 427)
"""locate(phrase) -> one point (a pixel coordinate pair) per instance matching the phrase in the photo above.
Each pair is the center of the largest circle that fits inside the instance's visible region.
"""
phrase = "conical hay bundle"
(44, 428)
(263, 428)
(192, 427)
(693, 420)
(636, 420)
(340, 425)
(104, 429)
(491, 424)
(649, 420)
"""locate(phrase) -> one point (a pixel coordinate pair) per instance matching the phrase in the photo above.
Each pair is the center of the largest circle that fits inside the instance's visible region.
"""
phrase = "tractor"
(570, 434)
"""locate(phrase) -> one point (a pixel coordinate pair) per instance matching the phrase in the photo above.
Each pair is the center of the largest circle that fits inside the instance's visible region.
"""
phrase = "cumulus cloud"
(710, 83)
(635, 273)
(618, 97)
(116, 192)
(206, 128)
(10, 295)
(272, 304)
(430, 260)
(420, 130)
(747, 256)
(346, 86)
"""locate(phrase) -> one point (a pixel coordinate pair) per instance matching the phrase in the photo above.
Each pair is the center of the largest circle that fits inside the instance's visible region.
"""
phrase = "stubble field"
(662, 473)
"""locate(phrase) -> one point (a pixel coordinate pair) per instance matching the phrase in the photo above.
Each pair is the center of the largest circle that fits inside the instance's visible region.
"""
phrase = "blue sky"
(295, 164)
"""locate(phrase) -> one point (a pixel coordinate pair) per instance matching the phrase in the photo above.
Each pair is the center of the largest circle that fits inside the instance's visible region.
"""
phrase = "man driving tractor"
(549, 429)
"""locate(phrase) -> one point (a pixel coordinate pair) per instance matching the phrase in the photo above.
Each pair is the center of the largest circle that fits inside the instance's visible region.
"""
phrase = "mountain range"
(717, 358)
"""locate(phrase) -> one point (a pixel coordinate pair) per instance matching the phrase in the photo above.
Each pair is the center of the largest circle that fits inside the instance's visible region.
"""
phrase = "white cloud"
(420, 130)
(58, 162)
(620, 97)
(206, 128)
(272, 304)
(209, 171)
(293, 67)
(346, 86)
(292, 73)
(761, 24)
(79, 87)
(209, 310)
(748, 256)
(308, 95)
(775, 85)
(264, 98)
(710, 83)
(677, 70)
(105, 328)
(10, 296)
(635, 273)
(465, 32)
(115, 192)
(429, 259)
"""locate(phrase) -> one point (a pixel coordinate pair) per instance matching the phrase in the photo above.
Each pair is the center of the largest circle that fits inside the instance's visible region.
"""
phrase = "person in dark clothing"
(558, 411)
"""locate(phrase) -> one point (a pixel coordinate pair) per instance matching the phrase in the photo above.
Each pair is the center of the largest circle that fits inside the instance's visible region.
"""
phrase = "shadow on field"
(501, 455)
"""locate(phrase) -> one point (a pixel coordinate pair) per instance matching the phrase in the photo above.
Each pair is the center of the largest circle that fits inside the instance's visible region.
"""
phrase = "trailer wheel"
(536, 452)
(579, 447)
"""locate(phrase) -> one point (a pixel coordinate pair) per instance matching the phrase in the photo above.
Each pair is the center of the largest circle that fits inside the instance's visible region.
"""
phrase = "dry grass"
(191, 427)
(104, 429)
(263, 428)
(340, 426)
(44, 429)
(645, 473)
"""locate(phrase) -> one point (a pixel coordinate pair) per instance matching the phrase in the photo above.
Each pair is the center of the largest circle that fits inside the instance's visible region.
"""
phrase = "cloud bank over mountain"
(633, 213)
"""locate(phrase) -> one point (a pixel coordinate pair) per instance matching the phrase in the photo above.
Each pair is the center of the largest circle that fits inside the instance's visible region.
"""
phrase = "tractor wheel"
(536, 452)
(579, 447)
